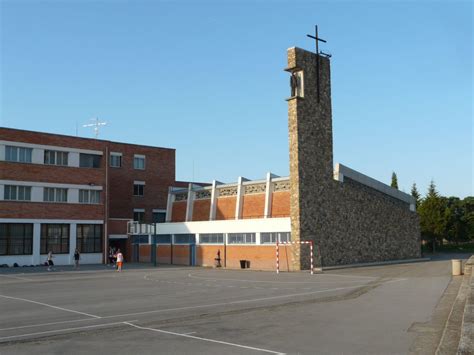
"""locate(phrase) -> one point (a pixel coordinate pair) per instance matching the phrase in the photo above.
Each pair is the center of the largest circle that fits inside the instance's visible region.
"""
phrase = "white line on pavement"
(62, 330)
(203, 339)
(51, 306)
(232, 302)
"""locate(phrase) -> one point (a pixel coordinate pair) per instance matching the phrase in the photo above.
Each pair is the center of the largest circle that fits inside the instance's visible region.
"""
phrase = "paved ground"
(193, 310)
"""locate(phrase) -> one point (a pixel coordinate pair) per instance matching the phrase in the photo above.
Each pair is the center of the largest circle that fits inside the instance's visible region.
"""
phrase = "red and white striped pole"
(278, 257)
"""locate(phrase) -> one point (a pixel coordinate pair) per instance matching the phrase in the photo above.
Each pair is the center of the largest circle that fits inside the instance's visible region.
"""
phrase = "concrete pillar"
(214, 196)
(36, 257)
(268, 195)
(169, 205)
(240, 195)
(72, 242)
(190, 202)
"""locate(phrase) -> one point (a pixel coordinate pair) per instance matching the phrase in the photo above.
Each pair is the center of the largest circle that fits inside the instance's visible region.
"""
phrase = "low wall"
(466, 342)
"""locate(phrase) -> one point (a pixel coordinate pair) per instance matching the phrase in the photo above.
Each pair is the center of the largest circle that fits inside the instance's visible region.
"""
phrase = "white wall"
(59, 259)
(227, 226)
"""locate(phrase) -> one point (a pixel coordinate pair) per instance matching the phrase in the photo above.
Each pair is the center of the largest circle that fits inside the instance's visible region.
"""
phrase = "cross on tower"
(317, 40)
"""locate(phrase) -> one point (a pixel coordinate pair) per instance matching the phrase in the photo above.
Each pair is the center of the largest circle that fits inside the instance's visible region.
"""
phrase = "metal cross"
(317, 40)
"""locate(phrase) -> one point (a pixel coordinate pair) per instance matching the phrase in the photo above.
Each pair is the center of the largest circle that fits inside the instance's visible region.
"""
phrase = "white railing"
(135, 228)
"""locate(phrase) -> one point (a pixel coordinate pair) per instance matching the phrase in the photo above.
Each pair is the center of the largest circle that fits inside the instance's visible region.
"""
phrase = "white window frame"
(18, 190)
(115, 155)
(55, 195)
(55, 154)
(245, 237)
(18, 152)
(91, 197)
(138, 158)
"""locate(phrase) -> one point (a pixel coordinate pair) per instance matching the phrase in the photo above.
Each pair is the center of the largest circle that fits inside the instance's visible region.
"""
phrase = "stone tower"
(351, 219)
(311, 148)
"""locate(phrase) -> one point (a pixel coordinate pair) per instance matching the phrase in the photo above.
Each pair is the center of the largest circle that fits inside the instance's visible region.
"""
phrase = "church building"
(319, 216)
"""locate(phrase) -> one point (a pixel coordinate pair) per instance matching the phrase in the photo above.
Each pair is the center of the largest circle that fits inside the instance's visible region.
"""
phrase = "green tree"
(416, 195)
(456, 230)
(394, 182)
(432, 216)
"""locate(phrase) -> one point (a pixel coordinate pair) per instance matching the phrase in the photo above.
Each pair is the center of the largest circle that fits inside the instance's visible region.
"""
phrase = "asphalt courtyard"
(173, 310)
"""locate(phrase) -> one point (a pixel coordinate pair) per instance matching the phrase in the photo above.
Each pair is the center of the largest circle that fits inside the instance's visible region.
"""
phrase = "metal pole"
(154, 246)
(277, 258)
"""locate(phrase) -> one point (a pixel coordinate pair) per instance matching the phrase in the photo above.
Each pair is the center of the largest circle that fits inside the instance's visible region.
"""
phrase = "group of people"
(50, 262)
(115, 258)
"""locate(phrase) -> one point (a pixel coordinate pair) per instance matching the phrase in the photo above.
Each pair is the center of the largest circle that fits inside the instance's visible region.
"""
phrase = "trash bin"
(457, 267)
(243, 264)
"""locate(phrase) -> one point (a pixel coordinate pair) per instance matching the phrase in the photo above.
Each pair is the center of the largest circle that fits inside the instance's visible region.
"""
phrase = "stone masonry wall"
(348, 221)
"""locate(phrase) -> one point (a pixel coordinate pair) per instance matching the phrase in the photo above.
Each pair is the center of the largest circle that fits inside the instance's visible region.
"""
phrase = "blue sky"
(207, 79)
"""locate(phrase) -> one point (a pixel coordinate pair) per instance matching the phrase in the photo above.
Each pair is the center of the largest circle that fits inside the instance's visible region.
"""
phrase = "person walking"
(50, 260)
(77, 257)
(119, 260)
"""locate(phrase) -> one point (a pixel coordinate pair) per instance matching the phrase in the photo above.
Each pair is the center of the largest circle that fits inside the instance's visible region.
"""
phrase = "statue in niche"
(296, 83)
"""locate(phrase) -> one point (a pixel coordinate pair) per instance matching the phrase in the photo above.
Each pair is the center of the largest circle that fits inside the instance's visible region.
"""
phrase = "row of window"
(17, 238)
(50, 194)
(217, 238)
(55, 157)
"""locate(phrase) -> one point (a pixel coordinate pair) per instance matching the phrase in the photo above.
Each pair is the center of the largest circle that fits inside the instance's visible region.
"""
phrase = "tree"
(432, 216)
(416, 195)
(394, 183)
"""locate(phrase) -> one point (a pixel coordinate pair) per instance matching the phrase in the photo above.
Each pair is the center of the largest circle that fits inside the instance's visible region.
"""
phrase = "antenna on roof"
(96, 125)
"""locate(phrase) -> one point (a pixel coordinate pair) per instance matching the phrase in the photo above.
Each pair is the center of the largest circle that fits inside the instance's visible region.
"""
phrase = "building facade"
(59, 193)
(347, 216)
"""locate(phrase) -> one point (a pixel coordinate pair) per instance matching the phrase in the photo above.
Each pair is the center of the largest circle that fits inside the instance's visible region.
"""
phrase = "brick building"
(61, 192)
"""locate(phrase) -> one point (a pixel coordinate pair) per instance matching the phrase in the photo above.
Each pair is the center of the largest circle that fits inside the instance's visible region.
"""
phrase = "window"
(89, 238)
(139, 162)
(17, 193)
(139, 216)
(55, 238)
(53, 157)
(89, 196)
(212, 238)
(138, 189)
(89, 160)
(271, 238)
(159, 217)
(115, 160)
(185, 238)
(140, 239)
(241, 238)
(163, 239)
(54, 195)
(18, 154)
(16, 239)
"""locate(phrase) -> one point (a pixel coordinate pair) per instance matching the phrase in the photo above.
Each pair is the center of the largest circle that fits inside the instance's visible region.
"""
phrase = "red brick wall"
(253, 206)
(163, 253)
(41, 210)
(145, 253)
(178, 213)
(261, 257)
(225, 208)
(117, 227)
(281, 204)
(201, 209)
(181, 255)
(158, 175)
(51, 174)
